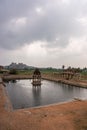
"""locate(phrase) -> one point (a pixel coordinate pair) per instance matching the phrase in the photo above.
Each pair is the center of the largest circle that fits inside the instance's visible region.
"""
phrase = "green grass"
(26, 72)
(46, 71)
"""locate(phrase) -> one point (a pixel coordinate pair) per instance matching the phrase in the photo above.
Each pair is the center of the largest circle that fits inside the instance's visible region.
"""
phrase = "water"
(23, 95)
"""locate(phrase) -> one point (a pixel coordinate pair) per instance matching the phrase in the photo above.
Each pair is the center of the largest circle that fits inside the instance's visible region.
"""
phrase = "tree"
(13, 71)
(63, 67)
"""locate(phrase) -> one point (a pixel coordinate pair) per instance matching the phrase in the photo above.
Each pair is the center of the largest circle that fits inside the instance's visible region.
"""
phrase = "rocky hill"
(19, 66)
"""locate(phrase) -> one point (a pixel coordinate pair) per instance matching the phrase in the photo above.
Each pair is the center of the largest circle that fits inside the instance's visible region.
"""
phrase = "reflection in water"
(23, 95)
(36, 92)
(13, 81)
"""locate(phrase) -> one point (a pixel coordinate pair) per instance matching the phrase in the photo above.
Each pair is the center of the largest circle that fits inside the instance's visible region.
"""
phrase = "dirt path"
(68, 116)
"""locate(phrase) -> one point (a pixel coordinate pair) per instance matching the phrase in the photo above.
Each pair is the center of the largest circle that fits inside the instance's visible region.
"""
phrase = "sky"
(43, 33)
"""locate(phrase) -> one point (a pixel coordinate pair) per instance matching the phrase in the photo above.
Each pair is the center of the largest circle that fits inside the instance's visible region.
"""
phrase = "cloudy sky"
(43, 32)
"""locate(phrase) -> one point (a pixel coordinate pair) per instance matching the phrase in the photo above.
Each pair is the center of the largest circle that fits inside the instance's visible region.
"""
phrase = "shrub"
(13, 71)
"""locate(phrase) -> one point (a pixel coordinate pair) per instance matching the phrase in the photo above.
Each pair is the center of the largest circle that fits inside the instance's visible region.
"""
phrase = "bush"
(13, 71)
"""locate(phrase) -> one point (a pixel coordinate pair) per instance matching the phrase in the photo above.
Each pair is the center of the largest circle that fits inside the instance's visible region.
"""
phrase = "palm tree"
(63, 67)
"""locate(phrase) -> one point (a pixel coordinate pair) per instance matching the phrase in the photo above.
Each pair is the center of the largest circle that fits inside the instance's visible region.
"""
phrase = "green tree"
(13, 71)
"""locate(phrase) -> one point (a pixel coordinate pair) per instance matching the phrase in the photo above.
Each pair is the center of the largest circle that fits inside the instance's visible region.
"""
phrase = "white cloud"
(82, 20)
(44, 33)
(38, 9)
(17, 24)
(35, 49)
(20, 21)
(66, 1)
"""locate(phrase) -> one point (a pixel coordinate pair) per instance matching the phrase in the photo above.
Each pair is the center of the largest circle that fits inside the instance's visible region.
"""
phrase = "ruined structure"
(36, 79)
(68, 74)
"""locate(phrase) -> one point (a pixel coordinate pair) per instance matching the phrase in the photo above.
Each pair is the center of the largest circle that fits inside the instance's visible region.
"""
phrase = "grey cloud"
(10, 9)
(58, 21)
